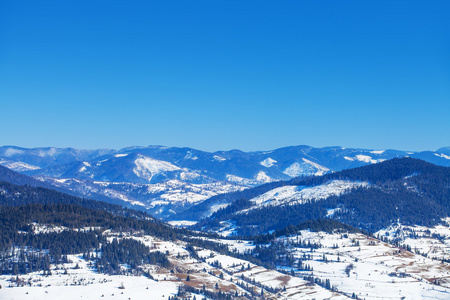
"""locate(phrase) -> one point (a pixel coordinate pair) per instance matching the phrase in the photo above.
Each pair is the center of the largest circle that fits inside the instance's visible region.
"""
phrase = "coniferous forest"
(407, 190)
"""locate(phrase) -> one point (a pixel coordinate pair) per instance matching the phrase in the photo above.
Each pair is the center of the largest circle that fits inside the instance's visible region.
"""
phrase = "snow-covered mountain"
(372, 197)
(168, 180)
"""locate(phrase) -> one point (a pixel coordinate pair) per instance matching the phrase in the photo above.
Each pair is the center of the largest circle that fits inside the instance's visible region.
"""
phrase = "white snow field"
(268, 162)
(379, 270)
(84, 283)
(432, 242)
(147, 167)
(17, 166)
(211, 271)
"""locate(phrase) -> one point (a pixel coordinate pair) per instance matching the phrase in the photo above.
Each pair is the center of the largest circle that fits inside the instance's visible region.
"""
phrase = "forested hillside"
(406, 190)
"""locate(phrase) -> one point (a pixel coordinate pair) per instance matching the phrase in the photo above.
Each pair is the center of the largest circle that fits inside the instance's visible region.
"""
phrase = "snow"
(263, 177)
(219, 158)
(242, 181)
(380, 271)
(183, 223)
(85, 283)
(300, 194)
(442, 155)
(307, 167)
(296, 288)
(227, 229)
(189, 175)
(179, 191)
(59, 180)
(38, 228)
(12, 151)
(432, 241)
(83, 168)
(120, 155)
(191, 156)
(268, 162)
(377, 151)
(43, 228)
(216, 207)
(259, 178)
(364, 158)
(50, 152)
(378, 267)
(18, 166)
(149, 195)
(331, 212)
(147, 167)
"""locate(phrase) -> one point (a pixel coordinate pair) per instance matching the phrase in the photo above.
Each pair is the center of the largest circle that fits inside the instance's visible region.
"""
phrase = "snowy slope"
(378, 270)
(306, 167)
(258, 179)
(268, 162)
(17, 166)
(146, 167)
(300, 194)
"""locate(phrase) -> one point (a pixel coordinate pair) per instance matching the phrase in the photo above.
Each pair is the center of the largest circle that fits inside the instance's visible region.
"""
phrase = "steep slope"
(18, 195)
(16, 178)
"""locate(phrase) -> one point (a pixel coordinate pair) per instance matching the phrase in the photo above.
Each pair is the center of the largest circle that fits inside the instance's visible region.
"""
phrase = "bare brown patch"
(198, 284)
(405, 253)
(228, 288)
(284, 279)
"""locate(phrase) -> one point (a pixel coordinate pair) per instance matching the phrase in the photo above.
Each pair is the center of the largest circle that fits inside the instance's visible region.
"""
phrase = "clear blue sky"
(218, 75)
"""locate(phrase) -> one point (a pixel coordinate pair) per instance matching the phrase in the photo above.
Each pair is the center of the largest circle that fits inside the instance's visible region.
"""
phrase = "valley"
(332, 266)
(377, 231)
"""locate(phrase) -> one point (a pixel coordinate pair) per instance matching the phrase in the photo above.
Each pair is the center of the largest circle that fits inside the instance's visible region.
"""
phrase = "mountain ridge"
(169, 180)
(407, 190)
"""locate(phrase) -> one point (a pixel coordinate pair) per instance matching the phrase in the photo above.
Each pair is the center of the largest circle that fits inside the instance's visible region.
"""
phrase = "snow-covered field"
(83, 283)
(211, 271)
(17, 166)
(432, 242)
(353, 264)
(377, 270)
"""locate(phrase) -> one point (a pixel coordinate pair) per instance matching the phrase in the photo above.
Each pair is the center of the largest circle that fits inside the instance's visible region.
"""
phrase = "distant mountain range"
(169, 181)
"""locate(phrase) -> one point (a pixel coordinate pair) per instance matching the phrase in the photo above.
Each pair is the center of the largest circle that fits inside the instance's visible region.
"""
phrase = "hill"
(405, 190)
